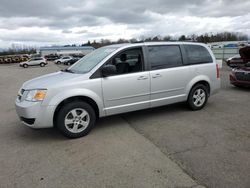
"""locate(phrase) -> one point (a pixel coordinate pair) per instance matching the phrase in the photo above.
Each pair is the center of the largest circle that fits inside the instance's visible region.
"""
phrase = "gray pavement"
(211, 145)
(112, 155)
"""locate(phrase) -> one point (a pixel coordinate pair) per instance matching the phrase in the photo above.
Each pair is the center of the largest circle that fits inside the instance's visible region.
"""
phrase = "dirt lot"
(163, 147)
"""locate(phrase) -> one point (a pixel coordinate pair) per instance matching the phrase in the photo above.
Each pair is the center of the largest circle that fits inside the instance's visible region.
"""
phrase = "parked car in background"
(245, 54)
(235, 61)
(71, 61)
(216, 46)
(117, 79)
(36, 61)
(240, 76)
(78, 56)
(63, 59)
(241, 59)
(52, 57)
(230, 46)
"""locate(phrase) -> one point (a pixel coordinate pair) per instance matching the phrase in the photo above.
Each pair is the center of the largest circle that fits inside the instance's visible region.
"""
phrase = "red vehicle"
(241, 59)
(240, 76)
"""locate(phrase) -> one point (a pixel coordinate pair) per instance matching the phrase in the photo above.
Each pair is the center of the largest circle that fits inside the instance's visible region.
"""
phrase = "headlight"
(35, 95)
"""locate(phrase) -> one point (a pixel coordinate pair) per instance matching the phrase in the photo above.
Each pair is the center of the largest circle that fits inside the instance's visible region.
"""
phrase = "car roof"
(154, 43)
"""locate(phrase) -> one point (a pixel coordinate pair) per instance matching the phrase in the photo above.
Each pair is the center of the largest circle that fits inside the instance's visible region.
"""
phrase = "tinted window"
(197, 54)
(128, 61)
(164, 56)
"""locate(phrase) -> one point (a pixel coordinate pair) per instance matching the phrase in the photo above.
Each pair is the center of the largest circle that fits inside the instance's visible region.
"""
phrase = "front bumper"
(34, 114)
(236, 82)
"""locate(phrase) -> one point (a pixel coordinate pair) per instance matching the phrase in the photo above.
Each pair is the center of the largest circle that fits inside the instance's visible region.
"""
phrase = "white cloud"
(65, 21)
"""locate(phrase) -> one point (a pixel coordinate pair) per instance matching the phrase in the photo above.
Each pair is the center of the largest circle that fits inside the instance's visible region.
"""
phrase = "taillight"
(217, 71)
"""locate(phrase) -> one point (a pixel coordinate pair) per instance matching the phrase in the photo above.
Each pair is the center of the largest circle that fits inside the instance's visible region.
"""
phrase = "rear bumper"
(35, 115)
(215, 87)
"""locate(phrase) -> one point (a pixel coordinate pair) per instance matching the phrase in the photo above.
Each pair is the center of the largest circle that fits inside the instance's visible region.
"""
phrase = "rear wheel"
(239, 86)
(198, 96)
(25, 66)
(75, 119)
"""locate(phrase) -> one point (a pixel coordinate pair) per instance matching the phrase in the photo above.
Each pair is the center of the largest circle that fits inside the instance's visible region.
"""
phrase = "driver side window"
(128, 61)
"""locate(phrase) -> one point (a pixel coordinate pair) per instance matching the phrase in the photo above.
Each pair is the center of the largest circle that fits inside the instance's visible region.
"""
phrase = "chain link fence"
(225, 53)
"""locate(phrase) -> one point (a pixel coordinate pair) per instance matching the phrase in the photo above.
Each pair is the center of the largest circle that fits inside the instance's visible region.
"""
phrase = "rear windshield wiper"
(67, 70)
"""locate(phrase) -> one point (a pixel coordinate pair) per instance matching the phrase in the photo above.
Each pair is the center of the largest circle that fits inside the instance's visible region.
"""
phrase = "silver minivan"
(117, 79)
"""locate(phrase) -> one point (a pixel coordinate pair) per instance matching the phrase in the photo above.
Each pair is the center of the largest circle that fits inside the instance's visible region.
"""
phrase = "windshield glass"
(88, 62)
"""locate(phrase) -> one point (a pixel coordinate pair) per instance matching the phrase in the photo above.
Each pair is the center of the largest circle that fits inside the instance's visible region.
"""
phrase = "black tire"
(25, 66)
(239, 86)
(192, 102)
(65, 111)
(42, 64)
(58, 62)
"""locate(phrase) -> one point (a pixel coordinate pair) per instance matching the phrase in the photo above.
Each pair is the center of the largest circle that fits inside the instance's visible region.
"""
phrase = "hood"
(245, 53)
(243, 68)
(52, 80)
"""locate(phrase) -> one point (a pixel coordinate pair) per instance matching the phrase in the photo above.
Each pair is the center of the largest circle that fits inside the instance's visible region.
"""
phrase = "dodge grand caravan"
(117, 79)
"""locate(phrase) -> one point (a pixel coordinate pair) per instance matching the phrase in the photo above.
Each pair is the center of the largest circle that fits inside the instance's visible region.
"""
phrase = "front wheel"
(75, 119)
(198, 96)
(42, 64)
(25, 66)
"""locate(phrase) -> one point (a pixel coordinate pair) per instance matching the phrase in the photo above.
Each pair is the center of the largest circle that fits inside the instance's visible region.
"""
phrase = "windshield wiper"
(67, 70)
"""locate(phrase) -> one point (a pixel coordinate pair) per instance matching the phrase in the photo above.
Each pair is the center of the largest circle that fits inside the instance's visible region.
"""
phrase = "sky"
(59, 22)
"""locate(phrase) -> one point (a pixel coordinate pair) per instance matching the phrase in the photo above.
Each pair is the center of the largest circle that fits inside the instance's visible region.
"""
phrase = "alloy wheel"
(199, 97)
(77, 120)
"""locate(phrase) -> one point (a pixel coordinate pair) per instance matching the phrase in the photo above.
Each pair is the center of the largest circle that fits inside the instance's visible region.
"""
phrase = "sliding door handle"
(142, 78)
(156, 76)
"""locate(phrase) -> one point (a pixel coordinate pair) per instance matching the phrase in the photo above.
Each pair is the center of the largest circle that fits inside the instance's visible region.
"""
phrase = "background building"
(65, 50)
(226, 49)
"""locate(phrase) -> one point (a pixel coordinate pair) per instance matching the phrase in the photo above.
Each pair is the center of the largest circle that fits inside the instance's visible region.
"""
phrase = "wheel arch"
(200, 80)
(86, 99)
(205, 83)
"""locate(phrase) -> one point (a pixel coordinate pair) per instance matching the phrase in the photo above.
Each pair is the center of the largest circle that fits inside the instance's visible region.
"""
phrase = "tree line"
(204, 38)
(18, 51)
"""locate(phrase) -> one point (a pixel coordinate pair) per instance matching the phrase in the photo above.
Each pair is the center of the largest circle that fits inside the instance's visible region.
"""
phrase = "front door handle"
(156, 76)
(142, 78)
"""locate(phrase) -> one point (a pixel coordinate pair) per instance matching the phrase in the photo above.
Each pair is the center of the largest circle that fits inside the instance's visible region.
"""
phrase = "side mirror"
(108, 70)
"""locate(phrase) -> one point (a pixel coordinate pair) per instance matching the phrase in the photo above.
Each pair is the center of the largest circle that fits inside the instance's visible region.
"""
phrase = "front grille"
(20, 95)
(29, 121)
(242, 76)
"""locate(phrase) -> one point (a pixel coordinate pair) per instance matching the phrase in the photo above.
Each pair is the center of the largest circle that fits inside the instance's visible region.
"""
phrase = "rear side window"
(162, 57)
(197, 54)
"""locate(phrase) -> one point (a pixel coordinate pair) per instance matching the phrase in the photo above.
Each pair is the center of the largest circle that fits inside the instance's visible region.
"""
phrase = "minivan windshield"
(88, 62)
